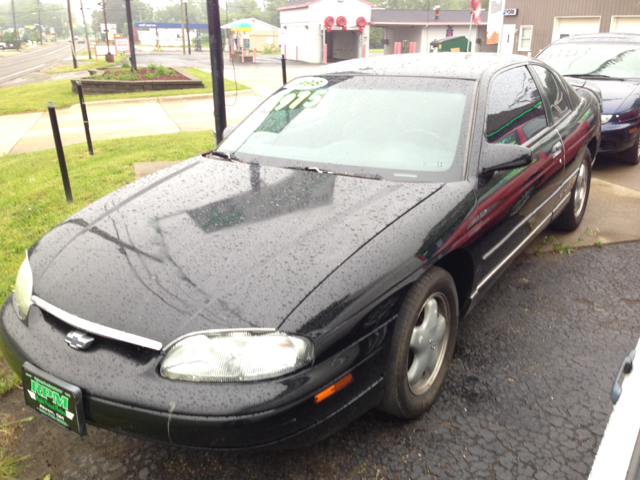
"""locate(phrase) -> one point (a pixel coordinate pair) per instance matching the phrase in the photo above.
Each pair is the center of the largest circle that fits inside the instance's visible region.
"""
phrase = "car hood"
(614, 94)
(210, 244)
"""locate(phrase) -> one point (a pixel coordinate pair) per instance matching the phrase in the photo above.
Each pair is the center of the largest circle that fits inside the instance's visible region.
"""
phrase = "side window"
(515, 111)
(559, 105)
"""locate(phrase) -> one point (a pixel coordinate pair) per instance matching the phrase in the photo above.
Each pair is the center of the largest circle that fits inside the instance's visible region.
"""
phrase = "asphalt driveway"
(527, 396)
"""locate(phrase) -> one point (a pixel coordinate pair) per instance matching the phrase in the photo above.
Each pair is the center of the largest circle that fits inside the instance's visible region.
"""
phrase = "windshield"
(401, 128)
(606, 59)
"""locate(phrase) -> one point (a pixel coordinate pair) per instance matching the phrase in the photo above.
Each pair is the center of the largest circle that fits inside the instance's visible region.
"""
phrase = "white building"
(307, 25)
(343, 26)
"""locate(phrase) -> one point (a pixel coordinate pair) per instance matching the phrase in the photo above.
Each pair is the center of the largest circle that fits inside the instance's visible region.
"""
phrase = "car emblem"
(78, 340)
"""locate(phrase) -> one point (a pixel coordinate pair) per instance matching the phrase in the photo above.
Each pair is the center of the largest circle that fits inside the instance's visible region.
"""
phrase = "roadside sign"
(510, 12)
(113, 28)
(101, 50)
(122, 45)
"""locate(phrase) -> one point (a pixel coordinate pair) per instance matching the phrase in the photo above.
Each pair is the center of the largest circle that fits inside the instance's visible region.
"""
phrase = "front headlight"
(235, 356)
(23, 289)
(605, 118)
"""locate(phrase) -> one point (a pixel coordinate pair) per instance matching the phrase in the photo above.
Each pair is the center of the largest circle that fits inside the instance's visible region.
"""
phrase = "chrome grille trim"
(95, 328)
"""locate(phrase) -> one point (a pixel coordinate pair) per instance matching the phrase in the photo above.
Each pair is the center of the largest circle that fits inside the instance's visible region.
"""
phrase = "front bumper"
(279, 413)
(617, 137)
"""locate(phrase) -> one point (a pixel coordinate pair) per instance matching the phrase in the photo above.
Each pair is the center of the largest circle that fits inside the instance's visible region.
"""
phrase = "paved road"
(16, 65)
(527, 395)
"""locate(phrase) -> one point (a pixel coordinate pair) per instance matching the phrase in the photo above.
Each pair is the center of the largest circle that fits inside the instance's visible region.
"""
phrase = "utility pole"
(108, 57)
(134, 63)
(39, 22)
(186, 13)
(217, 68)
(86, 32)
(73, 38)
(182, 25)
(16, 35)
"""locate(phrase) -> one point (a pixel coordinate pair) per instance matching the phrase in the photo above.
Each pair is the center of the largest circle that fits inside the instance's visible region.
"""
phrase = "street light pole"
(16, 36)
(39, 22)
(134, 63)
(217, 68)
(73, 39)
(186, 13)
(182, 25)
(86, 32)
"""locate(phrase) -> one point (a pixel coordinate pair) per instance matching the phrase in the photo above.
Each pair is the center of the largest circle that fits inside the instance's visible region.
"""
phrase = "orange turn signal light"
(633, 129)
(339, 385)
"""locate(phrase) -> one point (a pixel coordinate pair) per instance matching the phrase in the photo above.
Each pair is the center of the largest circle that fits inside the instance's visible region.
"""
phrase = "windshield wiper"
(374, 176)
(227, 156)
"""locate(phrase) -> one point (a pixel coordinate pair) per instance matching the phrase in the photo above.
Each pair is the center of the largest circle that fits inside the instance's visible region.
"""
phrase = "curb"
(196, 96)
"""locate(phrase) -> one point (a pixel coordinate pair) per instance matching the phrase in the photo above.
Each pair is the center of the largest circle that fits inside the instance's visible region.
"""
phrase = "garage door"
(625, 24)
(564, 26)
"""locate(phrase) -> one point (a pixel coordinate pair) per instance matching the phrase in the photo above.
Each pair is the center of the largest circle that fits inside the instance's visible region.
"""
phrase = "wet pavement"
(527, 395)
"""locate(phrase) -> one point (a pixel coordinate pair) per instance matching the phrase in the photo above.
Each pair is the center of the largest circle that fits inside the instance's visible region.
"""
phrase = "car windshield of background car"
(403, 128)
(608, 59)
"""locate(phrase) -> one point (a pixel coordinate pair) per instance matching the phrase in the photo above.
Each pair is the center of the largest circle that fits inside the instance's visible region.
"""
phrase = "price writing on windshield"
(302, 99)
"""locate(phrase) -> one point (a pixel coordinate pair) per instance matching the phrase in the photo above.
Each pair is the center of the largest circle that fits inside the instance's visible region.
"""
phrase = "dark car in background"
(313, 266)
(612, 62)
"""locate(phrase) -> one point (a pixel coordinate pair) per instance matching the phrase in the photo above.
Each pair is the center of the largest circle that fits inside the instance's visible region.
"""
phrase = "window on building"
(524, 43)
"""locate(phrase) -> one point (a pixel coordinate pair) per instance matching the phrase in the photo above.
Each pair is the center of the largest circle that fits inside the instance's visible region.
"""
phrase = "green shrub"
(270, 49)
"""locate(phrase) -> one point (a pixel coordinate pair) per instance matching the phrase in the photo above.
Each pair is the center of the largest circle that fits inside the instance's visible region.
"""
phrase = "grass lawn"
(376, 50)
(34, 97)
(32, 201)
(87, 65)
(32, 198)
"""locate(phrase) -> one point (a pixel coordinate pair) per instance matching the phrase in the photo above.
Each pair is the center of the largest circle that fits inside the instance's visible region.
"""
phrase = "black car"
(313, 266)
(612, 62)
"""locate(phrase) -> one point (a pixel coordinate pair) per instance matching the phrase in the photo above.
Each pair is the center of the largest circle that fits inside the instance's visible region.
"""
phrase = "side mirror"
(498, 156)
(228, 130)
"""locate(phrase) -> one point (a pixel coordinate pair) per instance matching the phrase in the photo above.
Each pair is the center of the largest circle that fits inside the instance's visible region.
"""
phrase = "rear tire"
(572, 215)
(422, 346)
(631, 156)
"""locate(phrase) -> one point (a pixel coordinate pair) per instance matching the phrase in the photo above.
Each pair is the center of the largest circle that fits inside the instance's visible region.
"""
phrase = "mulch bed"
(143, 71)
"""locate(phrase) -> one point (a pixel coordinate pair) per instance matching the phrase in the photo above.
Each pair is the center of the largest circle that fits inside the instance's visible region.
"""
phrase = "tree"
(271, 13)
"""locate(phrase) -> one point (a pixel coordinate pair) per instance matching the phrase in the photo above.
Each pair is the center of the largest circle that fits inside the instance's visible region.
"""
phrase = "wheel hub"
(581, 190)
(428, 344)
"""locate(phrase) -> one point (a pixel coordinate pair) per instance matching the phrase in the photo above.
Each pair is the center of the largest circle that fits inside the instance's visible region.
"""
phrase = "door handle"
(556, 149)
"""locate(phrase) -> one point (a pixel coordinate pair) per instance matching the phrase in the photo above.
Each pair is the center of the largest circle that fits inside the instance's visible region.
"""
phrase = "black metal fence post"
(61, 161)
(284, 70)
(85, 118)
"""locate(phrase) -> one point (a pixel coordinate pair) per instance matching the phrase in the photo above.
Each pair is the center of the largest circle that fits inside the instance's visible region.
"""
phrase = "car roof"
(600, 38)
(447, 65)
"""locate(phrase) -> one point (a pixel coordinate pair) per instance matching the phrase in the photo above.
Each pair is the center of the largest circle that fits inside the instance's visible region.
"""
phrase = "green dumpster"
(450, 44)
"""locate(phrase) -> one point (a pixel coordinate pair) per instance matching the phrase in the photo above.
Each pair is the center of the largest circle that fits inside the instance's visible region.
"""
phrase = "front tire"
(631, 156)
(422, 347)
(572, 214)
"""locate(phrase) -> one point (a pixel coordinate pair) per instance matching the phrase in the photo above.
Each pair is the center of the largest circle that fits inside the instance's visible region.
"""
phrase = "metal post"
(186, 14)
(217, 68)
(182, 26)
(132, 48)
(86, 32)
(16, 35)
(61, 161)
(39, 21)
(284, 70)
(73, 39)
(106, 27)
(85, 118)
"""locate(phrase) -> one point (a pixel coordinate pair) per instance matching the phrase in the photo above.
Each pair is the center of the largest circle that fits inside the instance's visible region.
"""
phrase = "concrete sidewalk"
(30, 132)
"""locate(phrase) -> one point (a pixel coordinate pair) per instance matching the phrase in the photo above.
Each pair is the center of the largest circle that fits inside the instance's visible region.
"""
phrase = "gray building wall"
(541, 14)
